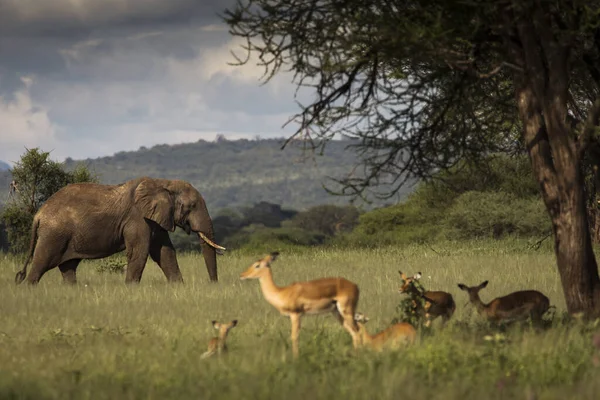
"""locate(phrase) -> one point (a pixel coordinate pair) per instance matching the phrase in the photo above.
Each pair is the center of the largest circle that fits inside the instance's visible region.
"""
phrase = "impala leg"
(295, 318)
(427, 320)
(346, 311)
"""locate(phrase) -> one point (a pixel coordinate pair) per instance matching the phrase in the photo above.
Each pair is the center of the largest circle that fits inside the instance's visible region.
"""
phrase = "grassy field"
(103, 340)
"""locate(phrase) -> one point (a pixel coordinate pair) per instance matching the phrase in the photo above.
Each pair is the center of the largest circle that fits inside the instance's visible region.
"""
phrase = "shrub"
(260, 237)
(327, 219)
(115, 264)
(496, 214)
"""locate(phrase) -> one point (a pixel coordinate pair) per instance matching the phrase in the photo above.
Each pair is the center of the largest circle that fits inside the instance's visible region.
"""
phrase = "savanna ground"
(104, 340)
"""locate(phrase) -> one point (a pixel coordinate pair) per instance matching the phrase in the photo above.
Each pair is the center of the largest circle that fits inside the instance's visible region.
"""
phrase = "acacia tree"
(424, 84)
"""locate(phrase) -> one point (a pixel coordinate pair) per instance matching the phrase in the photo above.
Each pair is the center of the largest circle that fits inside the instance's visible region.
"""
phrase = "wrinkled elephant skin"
(89, 221)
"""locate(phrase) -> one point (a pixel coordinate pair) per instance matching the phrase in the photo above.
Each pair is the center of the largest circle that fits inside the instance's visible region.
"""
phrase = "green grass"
(109, 341)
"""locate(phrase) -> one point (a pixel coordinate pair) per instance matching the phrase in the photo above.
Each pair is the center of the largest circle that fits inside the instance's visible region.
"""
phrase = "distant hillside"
(3, 166)
(235, 173)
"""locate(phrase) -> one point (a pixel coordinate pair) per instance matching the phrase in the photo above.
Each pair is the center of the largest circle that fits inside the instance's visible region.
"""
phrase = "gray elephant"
(90, 221)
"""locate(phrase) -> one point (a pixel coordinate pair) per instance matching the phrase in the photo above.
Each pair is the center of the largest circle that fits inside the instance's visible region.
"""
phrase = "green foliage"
(17, 220)
(37, 178)
(496, 214)
(261, 238)
(466, 202)
(499, 173)
(327, 219)
(410, 307)
(115, 264)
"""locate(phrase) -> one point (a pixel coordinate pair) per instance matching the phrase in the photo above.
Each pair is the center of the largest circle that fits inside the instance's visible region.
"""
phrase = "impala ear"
(402, 275)
(274, 255)
(462, 287)
(418, 276)
(483, 284)
(234, 322)
(155, 203)
(215, 324)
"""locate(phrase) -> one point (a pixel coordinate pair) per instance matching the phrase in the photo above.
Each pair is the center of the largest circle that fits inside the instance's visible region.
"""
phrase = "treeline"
(494, 200)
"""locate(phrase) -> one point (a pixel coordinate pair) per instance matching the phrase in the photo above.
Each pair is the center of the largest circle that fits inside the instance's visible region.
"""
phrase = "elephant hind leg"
(69, 270)
(42, 263)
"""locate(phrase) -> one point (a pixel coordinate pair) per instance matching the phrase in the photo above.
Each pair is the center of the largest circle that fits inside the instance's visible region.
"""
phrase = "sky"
(89, 78)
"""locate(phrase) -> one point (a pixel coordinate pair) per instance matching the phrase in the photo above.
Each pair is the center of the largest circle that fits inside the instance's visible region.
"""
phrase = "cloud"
(116, 75)
(24, 123)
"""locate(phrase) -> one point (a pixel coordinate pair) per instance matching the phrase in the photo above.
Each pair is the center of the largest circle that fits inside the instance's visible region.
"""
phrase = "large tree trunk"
(542, 92)
(556, 167)
(574, 253)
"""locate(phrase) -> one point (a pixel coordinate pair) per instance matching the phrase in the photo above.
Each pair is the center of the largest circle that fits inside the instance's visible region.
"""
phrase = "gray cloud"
(112, 75)
(68, 18)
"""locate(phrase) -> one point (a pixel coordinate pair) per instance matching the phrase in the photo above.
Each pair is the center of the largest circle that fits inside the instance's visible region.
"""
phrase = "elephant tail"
(20, 276)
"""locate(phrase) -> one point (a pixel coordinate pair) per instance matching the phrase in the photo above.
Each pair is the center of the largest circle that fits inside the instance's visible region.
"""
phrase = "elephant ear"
(155, 203)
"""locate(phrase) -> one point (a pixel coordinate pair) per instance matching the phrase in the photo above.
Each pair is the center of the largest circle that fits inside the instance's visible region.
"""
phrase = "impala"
(218, 345)
(335, 295)
(437, 303)
(394, 336)
(514, 306)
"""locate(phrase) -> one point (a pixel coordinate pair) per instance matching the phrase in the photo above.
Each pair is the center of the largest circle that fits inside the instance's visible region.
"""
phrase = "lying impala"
(218, 345)
(437, 303)
(394, 336)
(514, 306)
(336, 295)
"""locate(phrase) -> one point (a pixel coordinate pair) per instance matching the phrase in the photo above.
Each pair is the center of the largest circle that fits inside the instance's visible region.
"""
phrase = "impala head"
(473, 291)
(408, 281)
(360, 317)
(259, 268)
(224, 328)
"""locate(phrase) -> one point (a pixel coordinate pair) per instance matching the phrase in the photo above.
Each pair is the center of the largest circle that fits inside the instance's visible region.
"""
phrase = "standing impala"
(437, 303)
(514, 306)
(393, 336)
(336, 295)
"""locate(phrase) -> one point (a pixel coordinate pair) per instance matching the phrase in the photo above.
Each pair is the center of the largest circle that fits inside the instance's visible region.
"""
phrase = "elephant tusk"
(210, 242)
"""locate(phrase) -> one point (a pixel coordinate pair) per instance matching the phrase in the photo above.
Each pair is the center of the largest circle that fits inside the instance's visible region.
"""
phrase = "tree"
(423, 84)
(327, 219)
(38, 178)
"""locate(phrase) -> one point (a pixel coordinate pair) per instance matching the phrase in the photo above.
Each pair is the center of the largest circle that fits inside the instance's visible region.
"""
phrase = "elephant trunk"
(209, 250)
(210, 259)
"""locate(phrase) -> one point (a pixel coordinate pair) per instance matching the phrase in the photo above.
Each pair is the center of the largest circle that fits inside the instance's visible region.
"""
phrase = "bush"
(260, 237)
(327, 219)
(496, 214)
(406, 223)
(115, 264)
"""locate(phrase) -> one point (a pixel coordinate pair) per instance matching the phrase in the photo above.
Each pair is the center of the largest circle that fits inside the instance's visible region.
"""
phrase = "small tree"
(37, 178)
(327, 219)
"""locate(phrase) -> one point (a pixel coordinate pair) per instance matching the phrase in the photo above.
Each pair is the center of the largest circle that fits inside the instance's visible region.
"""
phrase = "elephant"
(92, 221)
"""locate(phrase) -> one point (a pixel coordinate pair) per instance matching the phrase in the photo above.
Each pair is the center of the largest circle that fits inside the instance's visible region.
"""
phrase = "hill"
(236, 173)
(4, 166)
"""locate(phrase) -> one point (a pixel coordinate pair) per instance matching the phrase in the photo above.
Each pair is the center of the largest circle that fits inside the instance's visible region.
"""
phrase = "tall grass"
(104, 340)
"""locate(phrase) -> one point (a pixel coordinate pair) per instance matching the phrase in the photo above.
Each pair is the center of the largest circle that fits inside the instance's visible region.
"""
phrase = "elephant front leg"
(163, 253)
(137, 246)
